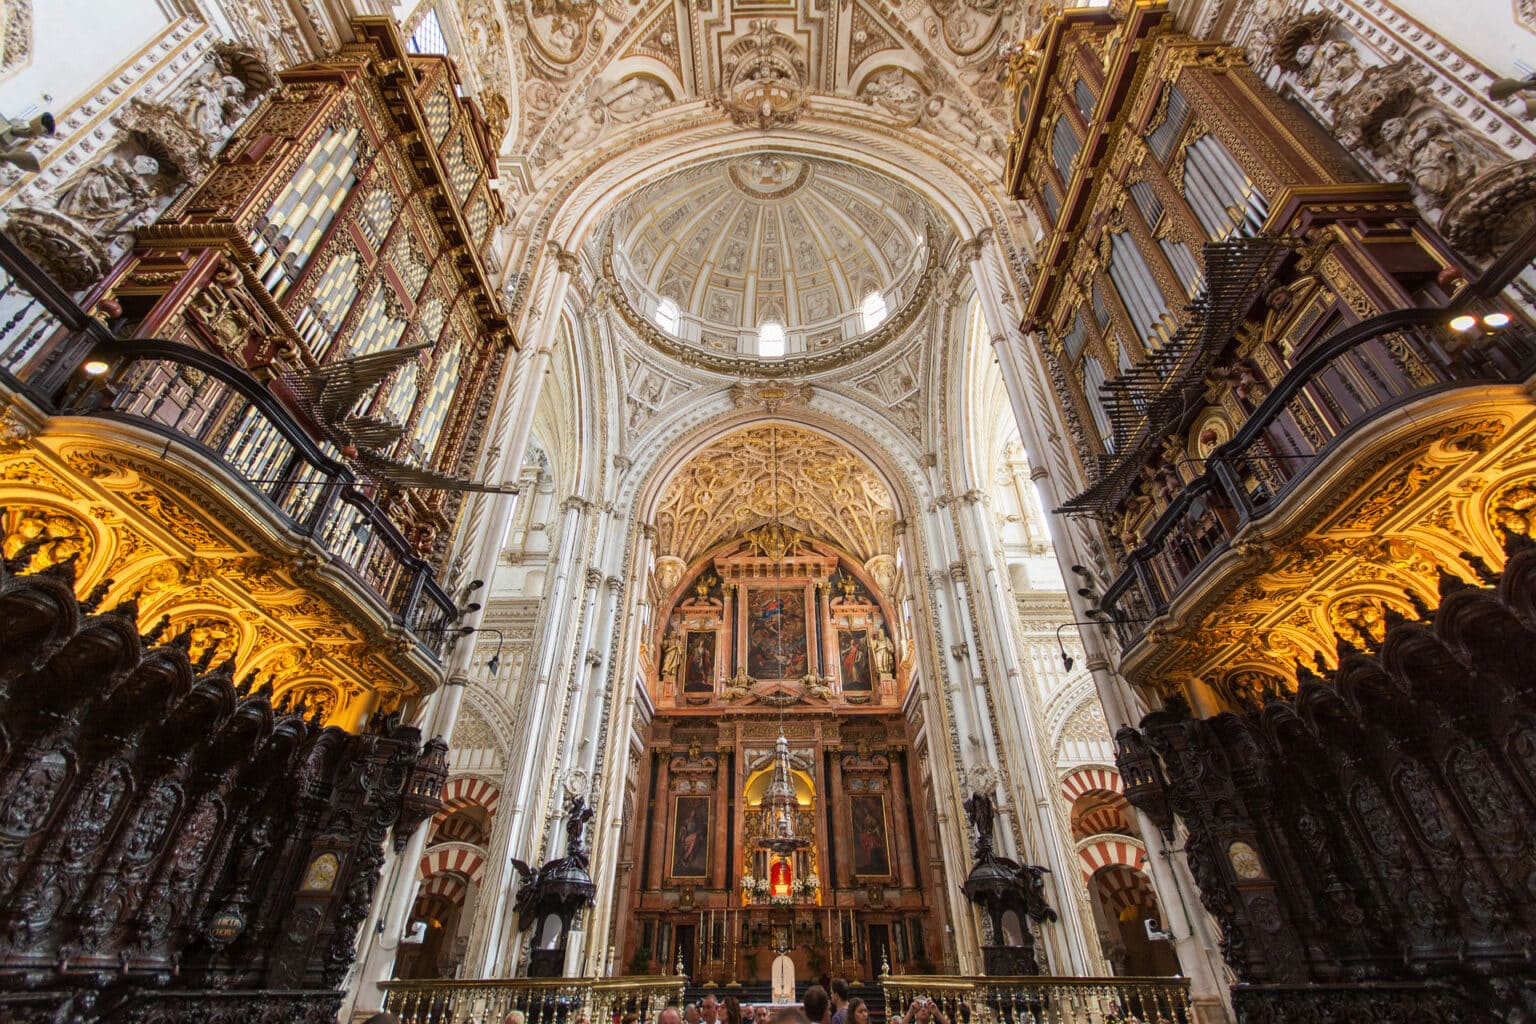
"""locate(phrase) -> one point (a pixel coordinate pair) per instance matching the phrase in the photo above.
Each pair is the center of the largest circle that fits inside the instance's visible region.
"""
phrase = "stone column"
(520, 801)
(1196, 939)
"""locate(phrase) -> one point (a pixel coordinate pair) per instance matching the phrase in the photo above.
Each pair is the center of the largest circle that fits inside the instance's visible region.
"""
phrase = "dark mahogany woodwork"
(173, 847)
(1367, 846)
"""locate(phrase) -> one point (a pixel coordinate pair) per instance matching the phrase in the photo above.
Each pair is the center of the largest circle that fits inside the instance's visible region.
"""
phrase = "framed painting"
(871, 853)
(690, 837)
(853, 658)
(776, 638)
(699, 663)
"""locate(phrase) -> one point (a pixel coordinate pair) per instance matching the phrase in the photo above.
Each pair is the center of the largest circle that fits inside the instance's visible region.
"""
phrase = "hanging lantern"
(779, 805)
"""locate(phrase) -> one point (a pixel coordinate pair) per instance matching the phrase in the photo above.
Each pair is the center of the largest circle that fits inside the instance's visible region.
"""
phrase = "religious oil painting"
(776, 646)
(690, 837)
(699, 669)
(871, 855)
(853, 658)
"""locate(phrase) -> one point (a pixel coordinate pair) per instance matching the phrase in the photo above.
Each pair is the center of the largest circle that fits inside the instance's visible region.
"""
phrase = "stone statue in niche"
(214, 104)
(897, 93)
(114, 194)
(671, 655)
(945, 116)
(882, 653)
(76, 232)
(1329, 69)
(1435, 156)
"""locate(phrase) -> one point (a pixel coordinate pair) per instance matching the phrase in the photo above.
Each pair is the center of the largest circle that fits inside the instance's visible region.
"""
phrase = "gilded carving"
(815, 485)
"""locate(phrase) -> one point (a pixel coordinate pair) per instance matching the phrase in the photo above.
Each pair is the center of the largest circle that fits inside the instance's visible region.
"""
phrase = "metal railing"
(1042, 1000)
(1356, 377)
(197, 399)
(541, 1001)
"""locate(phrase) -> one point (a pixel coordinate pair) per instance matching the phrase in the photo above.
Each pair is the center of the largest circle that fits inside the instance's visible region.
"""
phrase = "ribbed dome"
(772, 237)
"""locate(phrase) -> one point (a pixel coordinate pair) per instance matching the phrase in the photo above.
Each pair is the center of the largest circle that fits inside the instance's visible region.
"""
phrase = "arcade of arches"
(977, 494)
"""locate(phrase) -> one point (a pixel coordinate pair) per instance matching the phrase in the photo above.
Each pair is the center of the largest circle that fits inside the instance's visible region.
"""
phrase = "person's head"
(630, 1018)
(691, 1015)
(815, 1004)
(839, 993)
(669, 1015)
(791, 1015)
(709, 1010)
(923, 1009)
(858, 1013)
(759, 1014)
(515, 1017)
(732, 1010)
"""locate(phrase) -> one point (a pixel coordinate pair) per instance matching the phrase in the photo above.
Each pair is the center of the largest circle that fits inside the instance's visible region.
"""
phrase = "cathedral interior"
(575, 507)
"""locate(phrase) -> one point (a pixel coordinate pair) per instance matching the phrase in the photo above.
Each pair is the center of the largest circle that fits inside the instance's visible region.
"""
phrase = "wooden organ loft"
(347, 217)
(1306, 430)
(262, 430)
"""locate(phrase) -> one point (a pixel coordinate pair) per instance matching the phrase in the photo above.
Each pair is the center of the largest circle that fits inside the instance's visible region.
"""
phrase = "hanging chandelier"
(779, 804)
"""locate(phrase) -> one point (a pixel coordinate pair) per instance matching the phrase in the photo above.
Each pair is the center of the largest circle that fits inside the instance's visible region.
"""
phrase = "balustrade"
(1357, 376)
(541, 1001)
(1041, 1000)
(199, 400)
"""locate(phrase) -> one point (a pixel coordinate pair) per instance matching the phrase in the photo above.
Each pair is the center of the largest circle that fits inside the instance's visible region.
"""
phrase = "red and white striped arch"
(1103, 818)
(459, 858)
(1109, 851)
(1091, 780)
(469, 790)
(459, 828)
(444, 886)
(1121, 887)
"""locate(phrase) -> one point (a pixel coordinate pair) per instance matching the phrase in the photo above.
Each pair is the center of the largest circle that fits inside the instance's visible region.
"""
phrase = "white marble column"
(1195, 934)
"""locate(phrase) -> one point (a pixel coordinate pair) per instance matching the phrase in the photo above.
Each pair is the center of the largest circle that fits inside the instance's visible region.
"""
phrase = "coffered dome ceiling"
(771, 237)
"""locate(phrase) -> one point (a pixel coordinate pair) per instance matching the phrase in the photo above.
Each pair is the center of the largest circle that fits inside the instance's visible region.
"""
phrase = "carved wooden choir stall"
(172, 846)
(1366, 845)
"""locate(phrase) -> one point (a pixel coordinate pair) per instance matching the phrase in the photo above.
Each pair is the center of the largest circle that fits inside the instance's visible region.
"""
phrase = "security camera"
(416, 936)
(13, 132)
(30, 128)
(1154, 934)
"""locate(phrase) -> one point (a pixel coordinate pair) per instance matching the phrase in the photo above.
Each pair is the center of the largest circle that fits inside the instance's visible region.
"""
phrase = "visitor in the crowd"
(816, 1006)
(760, 1014)
(709, 1011)
(514, 1017)
(669, 1015)
(691, 1014)
(858, 1013)
(839, 991)
(924, 1011)
(732, 1010)
(791, 1015)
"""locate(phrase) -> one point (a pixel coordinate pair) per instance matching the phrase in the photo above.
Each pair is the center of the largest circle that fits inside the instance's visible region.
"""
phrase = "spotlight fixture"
(1496, 320)
(95, 367)
(1096, 617)
(1504, 88)
(1465, 322)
